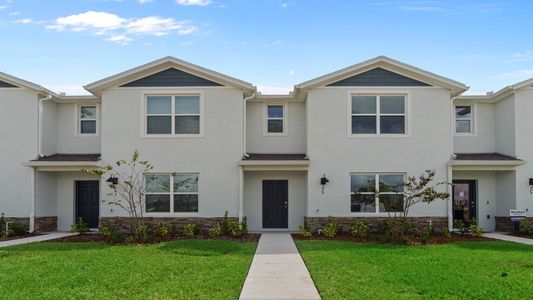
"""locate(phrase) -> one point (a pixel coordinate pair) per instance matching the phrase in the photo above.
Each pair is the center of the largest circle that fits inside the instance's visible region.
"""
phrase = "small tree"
(415, 190)
(419, 189)
(129, 188)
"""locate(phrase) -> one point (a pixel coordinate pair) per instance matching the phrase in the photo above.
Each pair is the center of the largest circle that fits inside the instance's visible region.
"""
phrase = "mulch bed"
(94, 237)
(414, 240)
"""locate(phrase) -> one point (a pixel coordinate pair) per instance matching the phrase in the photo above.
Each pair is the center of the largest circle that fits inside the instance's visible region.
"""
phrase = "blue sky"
(274, 44)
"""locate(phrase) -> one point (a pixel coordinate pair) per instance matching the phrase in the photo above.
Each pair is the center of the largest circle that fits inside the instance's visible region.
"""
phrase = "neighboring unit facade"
(217, 145)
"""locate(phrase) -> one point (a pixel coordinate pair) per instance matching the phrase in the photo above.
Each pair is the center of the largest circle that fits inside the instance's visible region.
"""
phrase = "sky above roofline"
(274, 44)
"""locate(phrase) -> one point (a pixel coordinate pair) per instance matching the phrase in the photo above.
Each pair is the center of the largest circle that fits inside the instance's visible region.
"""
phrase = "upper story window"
(167, 193)
(87, 119)
(275, 119)
(385, 196)
(378, 114)
(463, 119)
(173, 115)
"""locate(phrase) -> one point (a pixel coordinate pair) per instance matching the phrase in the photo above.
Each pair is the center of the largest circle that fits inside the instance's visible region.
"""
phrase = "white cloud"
(119, 39)
(15, 13)
(158, 26)
(88, 20)
(521, 57)
(118, 29)
(292, 72)
(3, 7)
(194, 2)
(274, 43)
(145, 1)
(24, 21)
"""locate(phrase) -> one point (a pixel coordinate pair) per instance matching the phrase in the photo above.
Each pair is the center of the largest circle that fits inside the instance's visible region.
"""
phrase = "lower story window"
(374, 193)
(166, 193)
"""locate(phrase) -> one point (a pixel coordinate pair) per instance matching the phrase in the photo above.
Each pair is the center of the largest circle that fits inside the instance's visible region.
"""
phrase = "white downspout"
(244, 153)
(40, 154)
(40, 125)
(449, 175)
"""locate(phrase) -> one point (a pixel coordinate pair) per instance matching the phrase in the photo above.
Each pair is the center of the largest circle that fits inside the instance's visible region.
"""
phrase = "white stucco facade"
(43, 153)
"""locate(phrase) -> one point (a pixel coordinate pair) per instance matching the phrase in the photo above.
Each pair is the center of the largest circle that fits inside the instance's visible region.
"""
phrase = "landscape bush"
(305, 229)
(191, 230)
(80, 227)
(359, 229)
(331, 229)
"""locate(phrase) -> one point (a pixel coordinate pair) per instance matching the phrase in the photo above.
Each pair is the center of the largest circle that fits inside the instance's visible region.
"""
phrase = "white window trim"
(376, 179)
(171, 213)
(170, 93)
(378, 93)
(473, 112)
(77, 118)
(285, 119)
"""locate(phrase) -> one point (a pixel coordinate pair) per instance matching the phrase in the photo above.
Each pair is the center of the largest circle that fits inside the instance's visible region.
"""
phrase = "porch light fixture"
(112, 179)
(531, 185)
(323, 181)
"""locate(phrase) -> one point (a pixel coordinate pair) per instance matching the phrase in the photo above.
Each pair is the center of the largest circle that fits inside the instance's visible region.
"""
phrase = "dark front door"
(87, 202)
(464, 200)
(275, 204)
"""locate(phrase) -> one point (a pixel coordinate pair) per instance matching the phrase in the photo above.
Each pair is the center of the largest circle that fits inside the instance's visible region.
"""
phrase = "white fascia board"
(26, 84)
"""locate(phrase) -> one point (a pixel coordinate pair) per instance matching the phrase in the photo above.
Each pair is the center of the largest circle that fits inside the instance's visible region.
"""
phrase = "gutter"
(244, 124)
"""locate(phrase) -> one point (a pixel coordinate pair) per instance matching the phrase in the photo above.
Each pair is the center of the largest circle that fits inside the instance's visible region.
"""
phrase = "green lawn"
(473, 270)
(188, 269)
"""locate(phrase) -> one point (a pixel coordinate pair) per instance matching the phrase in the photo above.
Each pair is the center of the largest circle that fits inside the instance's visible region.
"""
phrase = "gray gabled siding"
(4, 84)
(171, 77)
(378, 77)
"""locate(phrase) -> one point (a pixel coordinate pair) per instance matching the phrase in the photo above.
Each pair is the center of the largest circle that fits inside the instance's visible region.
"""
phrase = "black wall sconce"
(113, 180)
(531, 185)
(323, 181)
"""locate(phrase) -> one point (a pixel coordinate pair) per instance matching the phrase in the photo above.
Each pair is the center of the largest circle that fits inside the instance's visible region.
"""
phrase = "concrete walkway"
(278, 271)
(34, 239)
(504, 237)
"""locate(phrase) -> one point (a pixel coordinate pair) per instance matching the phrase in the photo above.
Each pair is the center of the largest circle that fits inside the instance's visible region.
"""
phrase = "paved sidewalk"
(34, 239)
(278, 271)
(510, 238)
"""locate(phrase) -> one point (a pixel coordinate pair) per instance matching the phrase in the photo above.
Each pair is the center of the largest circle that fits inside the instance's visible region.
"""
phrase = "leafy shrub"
(474, 230)
(174, 230)
(215, 231)
(359, 229)
(224, 224)
(460, 225)
(237, 229)
(427, 233)
(118, 237)
(80, 227)
(386, 229)
(446, 232)
(140, 233)
(331, 229)
(305, 229)
(404, 227)
(106, 231)
(16, 229)
(526, 227)
(162, 231)
(191, 230)
(130, 239)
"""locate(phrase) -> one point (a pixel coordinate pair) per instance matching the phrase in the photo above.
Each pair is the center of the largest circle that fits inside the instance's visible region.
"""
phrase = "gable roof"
(21, 83)
(387, 64)
(163, 64)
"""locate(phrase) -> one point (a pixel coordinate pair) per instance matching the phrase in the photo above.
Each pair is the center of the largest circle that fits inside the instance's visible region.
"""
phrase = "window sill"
(172, 136)
(464, 134)
(275, 134)
(379, 136)
(86, 135)
(168, 214)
